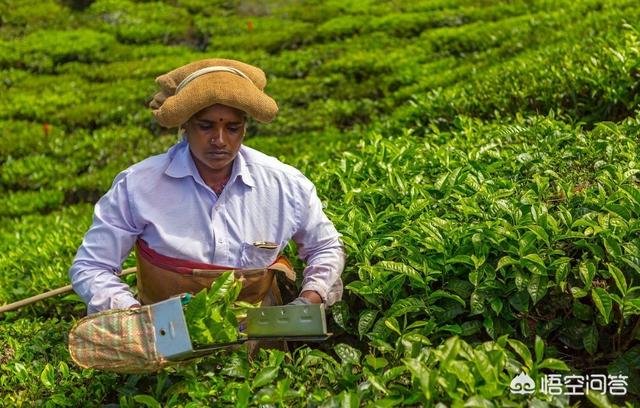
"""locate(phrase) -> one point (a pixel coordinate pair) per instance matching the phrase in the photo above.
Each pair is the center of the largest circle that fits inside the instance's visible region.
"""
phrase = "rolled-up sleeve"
(319, 245)
(104, 247)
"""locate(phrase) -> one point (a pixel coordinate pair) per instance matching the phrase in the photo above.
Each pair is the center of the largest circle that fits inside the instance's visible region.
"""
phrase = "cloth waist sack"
(119, 340)
(160, 277)
(124, 340)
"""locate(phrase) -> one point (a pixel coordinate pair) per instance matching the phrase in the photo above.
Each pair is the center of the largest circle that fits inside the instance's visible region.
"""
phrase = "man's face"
(215, 135)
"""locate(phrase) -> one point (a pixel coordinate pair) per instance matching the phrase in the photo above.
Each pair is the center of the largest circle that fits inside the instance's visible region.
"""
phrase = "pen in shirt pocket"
(265, 245)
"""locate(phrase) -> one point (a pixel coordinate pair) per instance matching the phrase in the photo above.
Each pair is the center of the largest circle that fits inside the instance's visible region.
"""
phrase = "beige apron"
(160, 277)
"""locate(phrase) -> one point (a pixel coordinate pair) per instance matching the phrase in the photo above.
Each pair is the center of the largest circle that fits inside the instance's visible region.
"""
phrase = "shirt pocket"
(257, 257)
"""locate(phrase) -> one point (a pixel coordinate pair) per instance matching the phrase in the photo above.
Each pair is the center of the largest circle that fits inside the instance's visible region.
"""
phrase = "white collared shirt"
(164, 201)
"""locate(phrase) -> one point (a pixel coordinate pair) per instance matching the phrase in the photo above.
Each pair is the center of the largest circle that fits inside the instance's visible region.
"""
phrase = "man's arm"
(320, 247)
(104, 248)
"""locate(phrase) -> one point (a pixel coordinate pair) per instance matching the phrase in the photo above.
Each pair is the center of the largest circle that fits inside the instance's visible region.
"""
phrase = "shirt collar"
(241, 169)
(182, 165)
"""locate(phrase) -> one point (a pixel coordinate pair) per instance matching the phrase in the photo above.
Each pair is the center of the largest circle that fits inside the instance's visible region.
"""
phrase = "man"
(207, 204)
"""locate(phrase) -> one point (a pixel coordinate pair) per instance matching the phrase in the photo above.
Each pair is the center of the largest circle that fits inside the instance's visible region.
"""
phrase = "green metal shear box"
(289, 322)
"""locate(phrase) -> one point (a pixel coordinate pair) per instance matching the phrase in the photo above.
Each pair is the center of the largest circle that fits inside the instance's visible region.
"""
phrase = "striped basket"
(116, 340)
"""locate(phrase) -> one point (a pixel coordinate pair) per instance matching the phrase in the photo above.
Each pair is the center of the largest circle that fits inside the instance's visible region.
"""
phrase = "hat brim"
(216, 88)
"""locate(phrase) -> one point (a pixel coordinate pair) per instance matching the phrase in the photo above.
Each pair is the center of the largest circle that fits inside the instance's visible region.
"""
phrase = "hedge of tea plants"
(480, 158)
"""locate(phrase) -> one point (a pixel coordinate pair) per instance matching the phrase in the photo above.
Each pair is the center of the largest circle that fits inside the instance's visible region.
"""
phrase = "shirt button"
(219, 241)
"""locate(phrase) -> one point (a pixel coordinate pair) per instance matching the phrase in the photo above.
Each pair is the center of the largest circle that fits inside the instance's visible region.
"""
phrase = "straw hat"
(195, 86)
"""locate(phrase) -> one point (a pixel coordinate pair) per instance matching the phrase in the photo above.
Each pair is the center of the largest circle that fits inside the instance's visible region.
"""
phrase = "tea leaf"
(210, 316)
(147, 401)
(367, 318)
(537, 287)
(618, 278)
(603, 303)
(612, 247)
(266, 376)
(587, 272)
(522, 351)
(340, 312)
(47, 376)
(539, 349)
(348, 354)
(590, 340)
(554, 365)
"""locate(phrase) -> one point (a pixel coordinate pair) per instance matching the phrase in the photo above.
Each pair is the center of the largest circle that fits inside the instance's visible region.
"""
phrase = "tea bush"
(134, 22)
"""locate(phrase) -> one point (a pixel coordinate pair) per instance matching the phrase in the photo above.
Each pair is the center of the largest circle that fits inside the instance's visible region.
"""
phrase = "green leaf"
(535, 264)
(582, 311)
(633, 193)
(477, 302)
(603, 303)
(562, 267)
(599, 400)
(587, 273)
(619, 210)
(419, 371)
(438, 294)
(553, 364)
(266, 376)
(349, 399)
(618, 278)
(451, 328)
(463, 259)
(522, 351)
(340, 312)
(196, 308)
(209, 315)
(47, 376)
(477, 261)
(63, 368)
(634, 265)
(375, 362)
(404, 306)
(243, 395)
(520, 301)
(221, 287)
(463, 372)
(590, 340)
(236, 366)
(485, 367)
(612, 246)
(416, 324)
(448, 351)
(403, 269)
(392, 323)
(539, 232)
(147, 401)
(471, 327)
(348, 354)
(496, 305)
(539, 349)
(367, 318)
(506, 261)
(537, 287)
(631, 307)
(578, 292)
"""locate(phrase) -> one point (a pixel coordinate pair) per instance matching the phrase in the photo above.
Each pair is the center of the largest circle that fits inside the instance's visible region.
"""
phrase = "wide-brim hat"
(195, 86)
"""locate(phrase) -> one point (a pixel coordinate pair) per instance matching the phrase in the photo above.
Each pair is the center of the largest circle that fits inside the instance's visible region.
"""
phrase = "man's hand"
(312, 296)
(307, 297)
